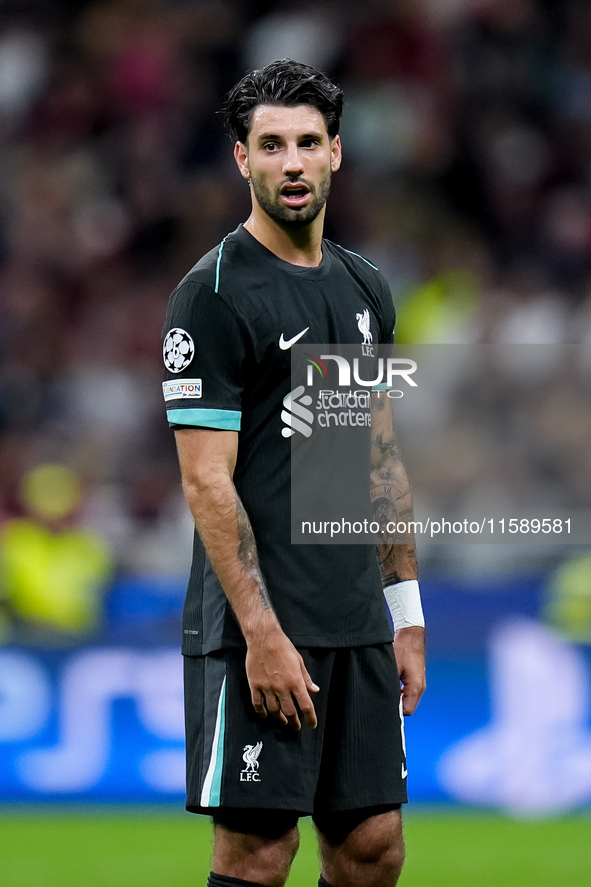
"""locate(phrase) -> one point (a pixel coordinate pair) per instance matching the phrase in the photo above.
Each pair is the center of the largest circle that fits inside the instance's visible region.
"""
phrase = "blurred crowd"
(467, 179)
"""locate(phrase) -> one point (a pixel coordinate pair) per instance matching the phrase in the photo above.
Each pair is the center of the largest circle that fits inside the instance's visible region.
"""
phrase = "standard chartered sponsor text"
(441, 526)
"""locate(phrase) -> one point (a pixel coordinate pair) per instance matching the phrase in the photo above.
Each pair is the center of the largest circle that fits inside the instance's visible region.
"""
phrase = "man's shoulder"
(207, 271)
(355, 262)
(202, 271)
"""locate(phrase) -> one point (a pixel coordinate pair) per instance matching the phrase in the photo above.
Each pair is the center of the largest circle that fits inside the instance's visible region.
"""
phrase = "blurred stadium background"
(467, 179)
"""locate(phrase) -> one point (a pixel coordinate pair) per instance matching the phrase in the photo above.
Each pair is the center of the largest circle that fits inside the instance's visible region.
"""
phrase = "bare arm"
(392, 500)
(276, 672)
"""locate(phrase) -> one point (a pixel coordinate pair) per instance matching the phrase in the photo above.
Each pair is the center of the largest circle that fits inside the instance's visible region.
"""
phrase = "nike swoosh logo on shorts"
(286, 345)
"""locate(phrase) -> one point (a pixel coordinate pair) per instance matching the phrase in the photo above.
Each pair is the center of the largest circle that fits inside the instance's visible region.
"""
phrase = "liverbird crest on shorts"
(251, 759)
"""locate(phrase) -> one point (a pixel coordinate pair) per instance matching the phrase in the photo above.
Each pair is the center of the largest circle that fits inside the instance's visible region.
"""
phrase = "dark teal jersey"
(229, 329)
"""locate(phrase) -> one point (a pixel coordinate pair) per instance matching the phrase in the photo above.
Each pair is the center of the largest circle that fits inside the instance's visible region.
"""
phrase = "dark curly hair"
(282, 82)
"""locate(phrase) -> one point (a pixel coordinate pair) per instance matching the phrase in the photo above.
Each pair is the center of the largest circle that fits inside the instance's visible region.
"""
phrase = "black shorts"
(354, 759)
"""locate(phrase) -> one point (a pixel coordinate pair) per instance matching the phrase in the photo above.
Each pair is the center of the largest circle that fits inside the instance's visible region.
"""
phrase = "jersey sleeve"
(388, 315)
(203, 350)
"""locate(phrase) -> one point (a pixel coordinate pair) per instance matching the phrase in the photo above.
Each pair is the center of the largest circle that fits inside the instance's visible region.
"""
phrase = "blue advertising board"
(103, 723)
(505, 721)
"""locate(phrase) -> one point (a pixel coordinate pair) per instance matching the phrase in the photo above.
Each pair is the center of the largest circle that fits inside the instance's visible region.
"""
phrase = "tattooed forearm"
(391, 496)
(385, 449)
(247, 553)
(397, 563)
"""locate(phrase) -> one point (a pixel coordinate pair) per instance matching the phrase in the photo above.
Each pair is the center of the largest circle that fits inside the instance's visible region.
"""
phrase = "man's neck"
(296, 245)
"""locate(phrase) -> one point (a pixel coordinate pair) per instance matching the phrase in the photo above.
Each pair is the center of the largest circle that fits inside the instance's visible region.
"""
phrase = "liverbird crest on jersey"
(363, 322)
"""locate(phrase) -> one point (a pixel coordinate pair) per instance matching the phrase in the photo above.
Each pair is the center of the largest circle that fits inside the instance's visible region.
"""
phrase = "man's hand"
(278, 679)
(409, 649)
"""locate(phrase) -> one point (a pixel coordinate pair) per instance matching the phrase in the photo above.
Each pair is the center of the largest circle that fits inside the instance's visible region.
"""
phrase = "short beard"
(285, 215)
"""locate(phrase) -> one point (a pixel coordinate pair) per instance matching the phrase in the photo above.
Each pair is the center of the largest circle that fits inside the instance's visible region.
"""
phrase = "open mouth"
(295, 194)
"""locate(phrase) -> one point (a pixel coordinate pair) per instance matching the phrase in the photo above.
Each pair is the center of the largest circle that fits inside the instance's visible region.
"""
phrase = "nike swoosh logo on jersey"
(286, 345)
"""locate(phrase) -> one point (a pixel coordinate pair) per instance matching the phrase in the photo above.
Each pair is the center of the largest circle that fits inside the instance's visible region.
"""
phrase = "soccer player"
(292, 695)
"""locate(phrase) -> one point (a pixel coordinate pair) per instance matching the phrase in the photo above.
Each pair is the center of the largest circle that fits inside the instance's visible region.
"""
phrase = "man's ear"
(241, 158)
(335, 154)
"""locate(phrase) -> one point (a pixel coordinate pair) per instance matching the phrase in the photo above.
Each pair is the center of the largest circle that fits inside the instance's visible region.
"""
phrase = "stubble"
(287, 216)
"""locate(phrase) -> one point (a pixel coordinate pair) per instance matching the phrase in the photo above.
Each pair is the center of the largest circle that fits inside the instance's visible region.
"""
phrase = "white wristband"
(404, 603)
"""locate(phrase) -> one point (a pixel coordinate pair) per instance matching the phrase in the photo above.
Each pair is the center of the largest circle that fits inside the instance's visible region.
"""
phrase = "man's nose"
(292, 165)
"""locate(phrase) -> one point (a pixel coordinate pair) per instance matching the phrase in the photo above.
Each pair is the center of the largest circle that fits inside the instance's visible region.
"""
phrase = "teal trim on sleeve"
(383, 386)
(226, 420)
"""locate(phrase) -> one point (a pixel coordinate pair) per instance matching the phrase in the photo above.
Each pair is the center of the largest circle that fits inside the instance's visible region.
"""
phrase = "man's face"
(289, 158)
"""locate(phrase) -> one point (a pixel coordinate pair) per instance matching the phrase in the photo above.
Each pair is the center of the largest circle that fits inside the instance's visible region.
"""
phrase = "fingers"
(288, 711)
(310, 685)
(409, 649)
(304, 701)
(286, 706)
(258, 702)
(264, 703)
(274, 707)
(282, 707)
(411, 694)
(279, 705)
(410, 700)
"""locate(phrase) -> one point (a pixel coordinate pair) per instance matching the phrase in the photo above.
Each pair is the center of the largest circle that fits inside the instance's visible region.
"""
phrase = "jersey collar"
(245, 238)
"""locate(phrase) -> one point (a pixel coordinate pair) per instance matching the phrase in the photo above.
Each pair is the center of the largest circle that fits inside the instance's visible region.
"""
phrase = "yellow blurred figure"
(51, 573)
(437, 309)
(568, 602)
